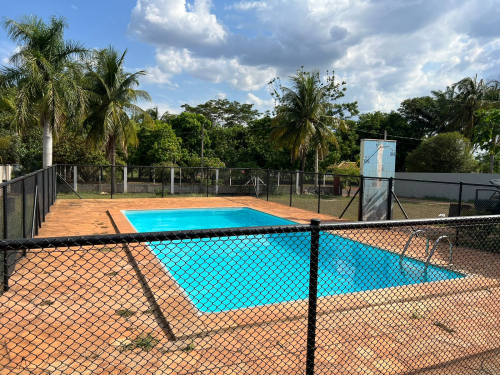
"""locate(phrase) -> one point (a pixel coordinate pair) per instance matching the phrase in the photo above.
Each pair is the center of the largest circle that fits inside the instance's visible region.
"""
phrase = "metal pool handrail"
(434, 249)
(408, 244)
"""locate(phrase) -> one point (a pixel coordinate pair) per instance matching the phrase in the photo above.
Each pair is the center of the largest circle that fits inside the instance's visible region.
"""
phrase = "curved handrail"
(434, 249)
(408, 243)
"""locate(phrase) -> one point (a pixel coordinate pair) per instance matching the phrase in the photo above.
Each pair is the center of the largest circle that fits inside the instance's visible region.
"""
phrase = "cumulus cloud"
(243, 77)
(259, 103)
(174, 22)
(386, 50)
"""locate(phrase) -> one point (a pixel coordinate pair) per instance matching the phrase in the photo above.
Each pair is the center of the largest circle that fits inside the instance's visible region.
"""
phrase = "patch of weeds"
(112, 273)
(148, 312)
(46, 302)
(125, 313)
(417, 315)
(444, 327)
(189, 347)
(143, 342)
(105, 249)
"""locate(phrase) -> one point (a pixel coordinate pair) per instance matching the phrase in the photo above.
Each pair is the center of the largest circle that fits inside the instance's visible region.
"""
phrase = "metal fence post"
(267, 184)
(459, 211)
(25, 209)
(112, 181)
(389, 199)
(75, 178)
(5, 236)
(42, 195)
(208, 171)
(217, 181)
(172, 180)
(125, 180)
(163, 182)
(313, 296)
(5, 221)
(319, 192)
(291, 187)
(460, 198)
(360, 207)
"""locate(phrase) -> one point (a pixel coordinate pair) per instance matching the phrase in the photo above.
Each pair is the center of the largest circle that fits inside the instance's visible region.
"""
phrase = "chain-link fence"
(24, 204)
(336, 195)
(355, 298)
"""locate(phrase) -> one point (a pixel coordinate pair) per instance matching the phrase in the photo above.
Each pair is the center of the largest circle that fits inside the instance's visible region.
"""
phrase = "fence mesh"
(330, 299)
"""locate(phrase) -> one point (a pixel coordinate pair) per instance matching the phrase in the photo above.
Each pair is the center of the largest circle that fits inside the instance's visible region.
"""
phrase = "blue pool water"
(236, 272)
(200, 218)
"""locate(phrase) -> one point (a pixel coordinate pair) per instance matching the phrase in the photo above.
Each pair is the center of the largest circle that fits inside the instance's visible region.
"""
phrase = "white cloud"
(221, 95)
(154, 75)
(238, 76)
(261, 104)
(386, 50)
(74, 7)
(248, 5)
(7, 49)
(174, 22)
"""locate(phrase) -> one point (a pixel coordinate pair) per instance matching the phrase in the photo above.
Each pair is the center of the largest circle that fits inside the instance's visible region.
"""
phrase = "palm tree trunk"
(47, 142)
(302, 169)
(492, 162)
(316, 168)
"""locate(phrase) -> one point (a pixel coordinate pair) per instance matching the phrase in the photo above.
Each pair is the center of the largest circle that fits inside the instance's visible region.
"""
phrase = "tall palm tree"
(46, 74)
(463, 99)
(302, 120)
(113, 97)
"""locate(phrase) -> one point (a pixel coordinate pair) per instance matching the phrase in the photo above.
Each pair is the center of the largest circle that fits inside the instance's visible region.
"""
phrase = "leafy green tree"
(189, 126)
(72, 148)
(443, 153)
(47, 77)
(158, 144)
(487, 133)
(423, 115)
(373, 125)
(222, 112)
(303, 116)
(114, 95)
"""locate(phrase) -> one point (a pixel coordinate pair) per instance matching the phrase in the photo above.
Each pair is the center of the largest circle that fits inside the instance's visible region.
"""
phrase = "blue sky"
(194, 51)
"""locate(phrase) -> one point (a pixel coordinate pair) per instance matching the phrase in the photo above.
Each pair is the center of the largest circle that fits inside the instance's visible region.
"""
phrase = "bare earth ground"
(61, 314)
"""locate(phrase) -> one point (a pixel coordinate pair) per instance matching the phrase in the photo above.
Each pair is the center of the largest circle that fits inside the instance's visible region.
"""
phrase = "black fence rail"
(24, 204)
(336, 195)
(369, 297)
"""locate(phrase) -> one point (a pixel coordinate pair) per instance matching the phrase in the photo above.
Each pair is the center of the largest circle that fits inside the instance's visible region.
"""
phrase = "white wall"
(422, 189)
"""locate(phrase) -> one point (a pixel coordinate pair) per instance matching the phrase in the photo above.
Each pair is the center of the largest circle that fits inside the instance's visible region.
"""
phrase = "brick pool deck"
(364, 333)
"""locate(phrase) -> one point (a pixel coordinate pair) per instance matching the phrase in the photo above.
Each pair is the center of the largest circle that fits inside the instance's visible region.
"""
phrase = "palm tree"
(113, 98)
(302, 120)
(461, 101)
(46, 75)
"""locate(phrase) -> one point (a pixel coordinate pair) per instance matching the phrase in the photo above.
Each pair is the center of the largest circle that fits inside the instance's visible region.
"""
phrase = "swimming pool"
(200, 218)
(244, 271)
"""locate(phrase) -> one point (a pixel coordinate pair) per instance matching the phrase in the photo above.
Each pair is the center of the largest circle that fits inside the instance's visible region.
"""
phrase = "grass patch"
(112, 274)
(125, 313)
(444, 327)
(148, 312)
(189, 347)
(417, 315)
(105, 249)
(143, 342)
(46, 302)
